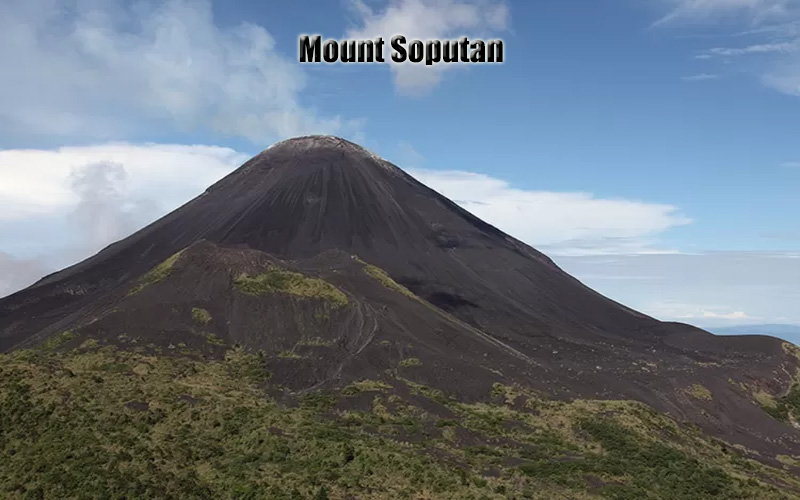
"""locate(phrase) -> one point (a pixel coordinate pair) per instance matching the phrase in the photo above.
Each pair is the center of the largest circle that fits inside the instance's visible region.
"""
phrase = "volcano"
(338, 266)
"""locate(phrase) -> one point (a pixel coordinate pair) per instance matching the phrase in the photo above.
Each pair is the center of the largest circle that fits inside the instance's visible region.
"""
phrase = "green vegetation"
(434, 394)
(508, 393)
(787, 460)
(365, 386)
(383, 277)
(411, 362)
(282, 281)
(247, 367)
(792, 349)
(651, 469)
(201, 316)
(58, 340)
(99, 422)
(289, 355)
(786, 408)
(699, 391)
(157, 274)
(214, 339)
(315, 342)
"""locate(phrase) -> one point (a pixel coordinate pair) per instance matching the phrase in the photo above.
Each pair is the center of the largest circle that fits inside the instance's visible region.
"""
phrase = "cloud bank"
(752, 11)
(424, 20)
(39, 183)
(112, 68)
(560, 223)
(767, 33)
(60, 206)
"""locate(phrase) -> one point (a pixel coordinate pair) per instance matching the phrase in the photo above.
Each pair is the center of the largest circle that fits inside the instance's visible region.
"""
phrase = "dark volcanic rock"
(487, 309)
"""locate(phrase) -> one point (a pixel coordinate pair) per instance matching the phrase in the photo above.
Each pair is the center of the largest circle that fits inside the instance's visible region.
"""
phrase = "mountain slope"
(432, 294)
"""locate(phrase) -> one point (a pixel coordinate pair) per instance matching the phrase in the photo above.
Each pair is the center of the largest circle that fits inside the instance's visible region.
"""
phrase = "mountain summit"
(338, 266)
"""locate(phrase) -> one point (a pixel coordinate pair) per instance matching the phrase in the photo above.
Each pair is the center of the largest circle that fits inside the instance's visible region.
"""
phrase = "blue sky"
(650, 147)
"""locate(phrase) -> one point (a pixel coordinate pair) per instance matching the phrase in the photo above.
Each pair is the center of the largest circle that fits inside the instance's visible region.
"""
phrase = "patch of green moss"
(429, 392)
(315, 342)
(786, 408)
(764, 398)
(318, 402)
(89, 344)
(289, 355)
(788, 460)
(58, 340)
(246, 366)
(446, 422)
(508, 393)
(214, 339)
(792, 349)
(700, 392)
(383, 277)
(365, 386)
(115, 367)
(157, 274)
(410, 362)
(282, 281)
(201, 316)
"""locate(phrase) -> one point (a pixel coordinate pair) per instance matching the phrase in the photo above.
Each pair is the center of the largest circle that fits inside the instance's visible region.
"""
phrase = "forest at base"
(100, 422)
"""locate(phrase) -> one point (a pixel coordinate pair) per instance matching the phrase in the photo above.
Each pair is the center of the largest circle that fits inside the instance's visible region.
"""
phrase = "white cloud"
(772, 28)
(785, 80)
(700, 314)
(700, 77)
(59, 206)
(38, 182)
(424, 20)
(557, 222)
(687, 312)
(753, 11)
(735, 315)
(762, 48)
(108, 69)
